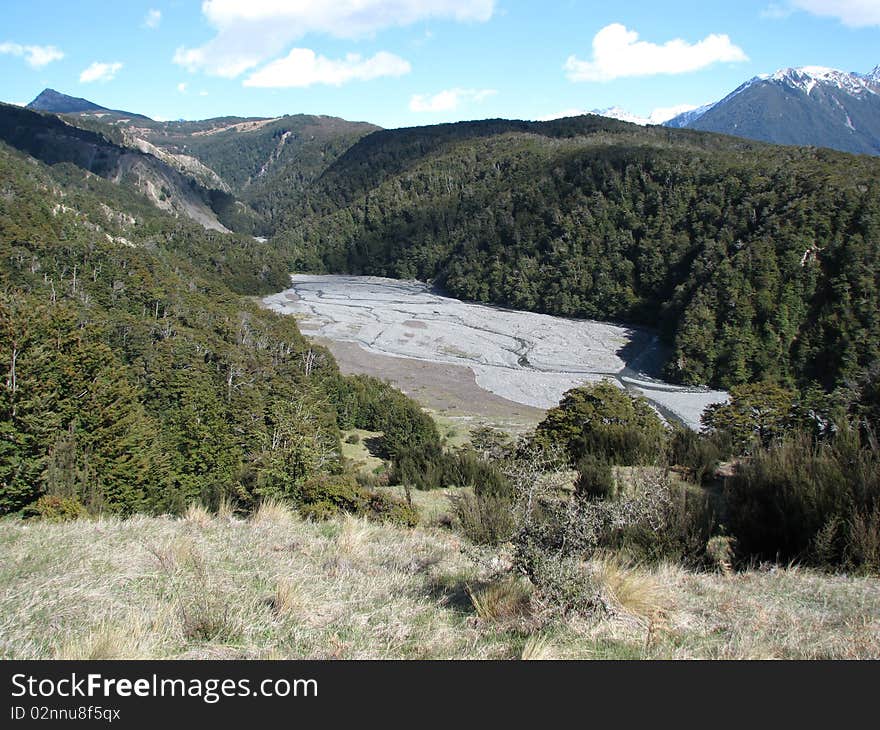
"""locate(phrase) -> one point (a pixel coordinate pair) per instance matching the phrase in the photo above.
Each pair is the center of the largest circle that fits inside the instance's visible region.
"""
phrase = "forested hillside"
(756, 262)
(266, 164)
(136, 377)
(98, 150)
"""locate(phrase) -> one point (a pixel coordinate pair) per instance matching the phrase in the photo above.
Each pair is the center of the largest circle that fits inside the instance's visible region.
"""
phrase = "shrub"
(434, 468)
(807, 501)
(373, 405)
(864, 539)
(607, 422)
(685, 523)
(372, 481)
(757, 415)
(699, 453)
(328, 496)
(332, 494)
(353, 439)
(485, 519)
(562, 581)
(595, 478)
(51, 508)
(662, 521)
(385, 508)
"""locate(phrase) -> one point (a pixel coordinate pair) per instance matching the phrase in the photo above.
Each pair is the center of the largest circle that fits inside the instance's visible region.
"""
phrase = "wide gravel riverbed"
(523, 357)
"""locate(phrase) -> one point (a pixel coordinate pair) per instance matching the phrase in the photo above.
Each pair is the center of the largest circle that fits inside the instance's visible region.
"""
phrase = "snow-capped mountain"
(811, 105)
(658, 116)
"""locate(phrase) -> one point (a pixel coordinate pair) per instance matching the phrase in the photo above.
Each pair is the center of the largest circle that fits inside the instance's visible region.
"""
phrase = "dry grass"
(225, 510)
(502, 600)
(633, 591)
(286, 599)
(273, 513)
(434, 506)
(279, 587)
(197, 515)
(537, 648)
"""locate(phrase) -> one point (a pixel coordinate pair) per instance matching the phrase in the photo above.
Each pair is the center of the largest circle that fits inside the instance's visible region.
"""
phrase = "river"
(524, 357)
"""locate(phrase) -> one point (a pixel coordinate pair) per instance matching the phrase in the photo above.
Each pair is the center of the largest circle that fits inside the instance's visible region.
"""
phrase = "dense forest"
(755, 262)
(137, 377)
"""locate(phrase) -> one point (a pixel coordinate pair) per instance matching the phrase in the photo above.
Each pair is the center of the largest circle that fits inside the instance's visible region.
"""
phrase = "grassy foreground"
(276, 586)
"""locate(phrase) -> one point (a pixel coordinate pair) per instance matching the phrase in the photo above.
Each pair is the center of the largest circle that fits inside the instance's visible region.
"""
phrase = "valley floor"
(481, 359)
(276, 586)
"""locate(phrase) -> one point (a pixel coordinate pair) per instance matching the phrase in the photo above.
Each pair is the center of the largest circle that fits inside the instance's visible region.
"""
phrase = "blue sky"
(411, 62)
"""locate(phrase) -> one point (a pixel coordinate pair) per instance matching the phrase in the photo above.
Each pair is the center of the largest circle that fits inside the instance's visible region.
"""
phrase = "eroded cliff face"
(166, 188)
(53, 141)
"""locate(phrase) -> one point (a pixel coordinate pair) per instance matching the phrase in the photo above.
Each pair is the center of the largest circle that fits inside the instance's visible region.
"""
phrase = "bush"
(595, 478)
(51, 508)
(328, 496)
(604, 421)
(373, 405)
(662, 521)
(807, 501)
(385, 508)
(757, 415)
(485, 519)
(699, 453)
(353, 439)
(373, 480)
(434, 468)
(685, 524)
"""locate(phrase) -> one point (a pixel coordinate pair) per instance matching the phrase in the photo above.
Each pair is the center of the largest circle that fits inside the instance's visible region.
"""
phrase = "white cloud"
(303, 67)
(250, 32)
(618, 53)
(153, 19)
(774, 11)
(34, 56)
(181, 88)
(854, 13)
(100, 72)
(448, 100)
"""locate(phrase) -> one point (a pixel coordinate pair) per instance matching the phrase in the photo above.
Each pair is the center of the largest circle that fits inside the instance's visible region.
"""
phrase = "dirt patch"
(415, 324)
(448, 389)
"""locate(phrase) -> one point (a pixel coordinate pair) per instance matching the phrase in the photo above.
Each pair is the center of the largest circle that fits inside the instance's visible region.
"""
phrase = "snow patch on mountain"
(658, 116)
(807, 78)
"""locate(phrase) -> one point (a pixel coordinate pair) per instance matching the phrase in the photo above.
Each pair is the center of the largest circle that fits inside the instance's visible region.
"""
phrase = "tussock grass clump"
(503, 600)
(626, 588)
(286, 598)
(105, 641)
(353, 537)
(196, 514)
(201, 598)
(273, 512)
(225, 509)
(537, 648)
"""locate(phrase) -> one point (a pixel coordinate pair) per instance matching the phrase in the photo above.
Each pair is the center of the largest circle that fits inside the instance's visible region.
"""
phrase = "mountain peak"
(53, 101)
(615, 112)
(809, 105)
(807, 78)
